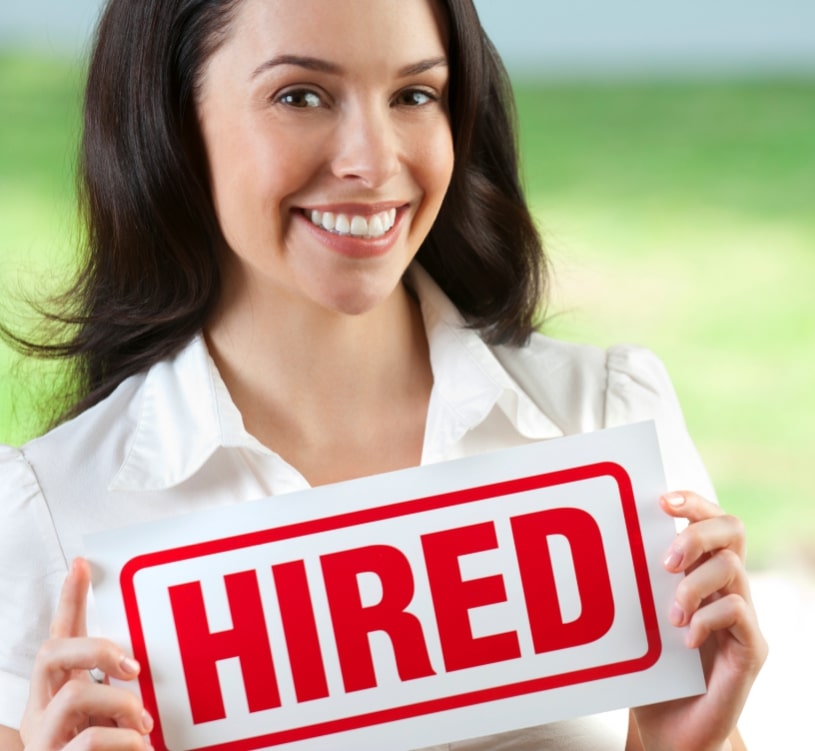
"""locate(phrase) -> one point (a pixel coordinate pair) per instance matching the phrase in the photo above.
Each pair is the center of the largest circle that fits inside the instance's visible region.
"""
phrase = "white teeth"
(357, 226)
(375, 227)
(343, 226)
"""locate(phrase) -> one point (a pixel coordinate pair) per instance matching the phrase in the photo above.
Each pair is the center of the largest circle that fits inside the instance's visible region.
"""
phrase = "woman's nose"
(367, 146)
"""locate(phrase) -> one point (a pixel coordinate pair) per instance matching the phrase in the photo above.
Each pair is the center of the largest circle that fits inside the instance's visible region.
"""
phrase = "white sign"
(403, 610)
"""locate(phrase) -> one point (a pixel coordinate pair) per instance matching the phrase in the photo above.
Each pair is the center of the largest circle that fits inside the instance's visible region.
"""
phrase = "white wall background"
(652, 36)
(556, 37)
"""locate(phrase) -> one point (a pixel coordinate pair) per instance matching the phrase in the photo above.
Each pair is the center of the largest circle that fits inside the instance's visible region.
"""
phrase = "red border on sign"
(379, 513)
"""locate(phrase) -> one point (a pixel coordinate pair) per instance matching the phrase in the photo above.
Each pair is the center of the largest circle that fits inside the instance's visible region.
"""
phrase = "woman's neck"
(337, 396)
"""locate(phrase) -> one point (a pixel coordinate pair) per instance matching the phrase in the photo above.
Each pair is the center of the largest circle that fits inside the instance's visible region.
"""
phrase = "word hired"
(453, 597)
(312, 630)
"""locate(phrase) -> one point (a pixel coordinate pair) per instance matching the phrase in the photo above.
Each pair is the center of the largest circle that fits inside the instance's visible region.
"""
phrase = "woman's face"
(326, 128)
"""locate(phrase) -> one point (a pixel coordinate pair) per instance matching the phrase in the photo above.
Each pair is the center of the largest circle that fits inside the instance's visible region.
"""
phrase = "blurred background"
(669, 155)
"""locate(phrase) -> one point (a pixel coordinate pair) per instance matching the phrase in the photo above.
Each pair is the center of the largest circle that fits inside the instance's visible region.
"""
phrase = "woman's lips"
(355, 225)
(354, 234)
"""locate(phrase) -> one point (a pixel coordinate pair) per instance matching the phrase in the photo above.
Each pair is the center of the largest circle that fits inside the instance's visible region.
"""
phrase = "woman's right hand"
(67, 710)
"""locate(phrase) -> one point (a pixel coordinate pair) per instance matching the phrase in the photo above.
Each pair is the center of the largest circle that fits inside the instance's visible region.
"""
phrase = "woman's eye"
(301, 99)
(415, 98)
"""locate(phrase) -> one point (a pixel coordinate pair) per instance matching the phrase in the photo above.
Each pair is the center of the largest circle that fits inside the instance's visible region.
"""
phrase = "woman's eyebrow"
(422, 66)
(300, 61)
(324, 66)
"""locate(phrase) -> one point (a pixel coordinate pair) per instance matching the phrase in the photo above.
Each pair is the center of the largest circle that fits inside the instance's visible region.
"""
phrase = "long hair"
(484, 250)
(150, 276)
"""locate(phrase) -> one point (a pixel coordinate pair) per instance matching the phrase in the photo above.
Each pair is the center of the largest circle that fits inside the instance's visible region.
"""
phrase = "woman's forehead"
(380, 32)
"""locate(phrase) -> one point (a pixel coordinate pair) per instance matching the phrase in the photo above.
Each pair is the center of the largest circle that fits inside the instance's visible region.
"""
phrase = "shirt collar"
(187, 414)
(469, 380)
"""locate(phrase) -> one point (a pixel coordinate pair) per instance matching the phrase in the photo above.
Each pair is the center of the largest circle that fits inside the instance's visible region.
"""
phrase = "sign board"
(398, 611)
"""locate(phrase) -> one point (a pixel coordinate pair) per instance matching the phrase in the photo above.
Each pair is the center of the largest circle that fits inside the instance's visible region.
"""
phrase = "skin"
(66, 709)
(714, 602)
(378, 136)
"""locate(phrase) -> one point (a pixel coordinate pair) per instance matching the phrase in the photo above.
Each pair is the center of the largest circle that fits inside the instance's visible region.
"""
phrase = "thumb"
(70, 616)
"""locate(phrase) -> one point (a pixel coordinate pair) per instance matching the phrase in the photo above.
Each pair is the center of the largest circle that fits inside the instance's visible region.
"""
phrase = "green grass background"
(678, 215)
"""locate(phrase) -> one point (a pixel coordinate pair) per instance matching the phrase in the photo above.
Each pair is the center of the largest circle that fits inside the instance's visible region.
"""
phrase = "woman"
(309, 260)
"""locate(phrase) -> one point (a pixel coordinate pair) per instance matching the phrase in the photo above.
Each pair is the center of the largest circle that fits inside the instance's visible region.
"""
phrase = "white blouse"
(171, 441)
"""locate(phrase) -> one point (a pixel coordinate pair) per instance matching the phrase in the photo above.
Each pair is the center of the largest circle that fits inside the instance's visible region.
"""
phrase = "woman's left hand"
(714, 601)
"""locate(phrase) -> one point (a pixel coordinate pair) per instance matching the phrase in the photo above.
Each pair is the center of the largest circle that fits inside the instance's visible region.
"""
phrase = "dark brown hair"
(484, 250)
(150, 277)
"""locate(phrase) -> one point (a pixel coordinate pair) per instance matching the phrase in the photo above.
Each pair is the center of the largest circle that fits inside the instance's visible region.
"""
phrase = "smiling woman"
(309, 259)
(355, 128)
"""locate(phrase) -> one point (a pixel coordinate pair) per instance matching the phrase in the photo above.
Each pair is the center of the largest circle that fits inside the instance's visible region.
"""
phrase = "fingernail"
(147, 721)
(674, 499)
(129, 665)
(673, 560)
(677, 615)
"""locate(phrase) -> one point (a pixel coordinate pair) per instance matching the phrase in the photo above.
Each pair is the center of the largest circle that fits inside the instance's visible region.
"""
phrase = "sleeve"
(32, 568)
(639, 389)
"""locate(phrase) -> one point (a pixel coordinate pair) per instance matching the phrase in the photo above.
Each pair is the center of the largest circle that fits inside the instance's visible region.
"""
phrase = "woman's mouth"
(354, 225)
